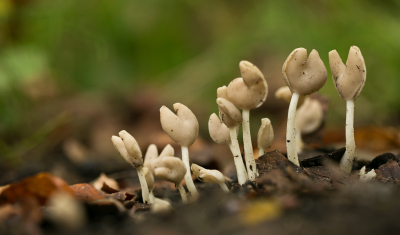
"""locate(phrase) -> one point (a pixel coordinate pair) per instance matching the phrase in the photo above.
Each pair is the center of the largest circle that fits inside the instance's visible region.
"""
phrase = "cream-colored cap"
(148, 175)
(207, 176)
(265, 135)
(285, 94)
(222, 92)
(182, 127)
(173, 170)
(349, 79)
(219, 132)
(152, 160)
(304, 76)
(230, 115)
(309, 116)
(251, 90)
(135, 160)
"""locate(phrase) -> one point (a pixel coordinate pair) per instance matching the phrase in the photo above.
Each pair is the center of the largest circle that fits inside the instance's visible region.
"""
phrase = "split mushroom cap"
(265, 135)
(251, 90)
(182, 127)
(285, 94)
(148, 175)
(309, 116)
(135, 160)
(207, 176)
(230, 115)
(173, 170)
(219, 132)
(152, 160)
(304, 76)
(349, 79)
(222, 92)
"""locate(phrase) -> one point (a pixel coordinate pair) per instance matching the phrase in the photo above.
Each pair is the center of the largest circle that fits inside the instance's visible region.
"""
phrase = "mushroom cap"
(304, 76)
(132, 147)
(182, 127)
(265, 135)
(222, 92)
(285, 94)
(219, 132)
(152, 160)
(120, 147)
(207, 176)
(251, 90)
(173, 170)
(349, 79)
(309, 116)
(230, 115)
(148, 175)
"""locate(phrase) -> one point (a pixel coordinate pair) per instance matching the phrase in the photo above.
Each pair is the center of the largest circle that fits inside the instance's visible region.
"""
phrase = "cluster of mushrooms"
(303, 77)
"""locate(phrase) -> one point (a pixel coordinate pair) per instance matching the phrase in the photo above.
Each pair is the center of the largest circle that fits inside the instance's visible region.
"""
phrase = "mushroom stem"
(291, 131)
(224, 187)
(182, 192)
(143, 184)
(237, 157)
(261, 151)
(248, 147)
(151, 197)
(346, 163)
(188, 176)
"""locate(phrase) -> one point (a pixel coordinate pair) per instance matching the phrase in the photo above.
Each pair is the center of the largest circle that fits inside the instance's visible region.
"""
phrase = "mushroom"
(129, 149)
(173, 170)
(248, 92)
(265, 136)
(303, 76)
(210, 176)
(183, 128)
(365, 177)
(220, 133)
(152, 160)
(160, 206)
(148, 175)
(349, 81)
(285, 94)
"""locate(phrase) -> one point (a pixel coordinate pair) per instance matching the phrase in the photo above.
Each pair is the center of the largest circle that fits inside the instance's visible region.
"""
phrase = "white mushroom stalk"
(129, 149)
(349, 81)
(365, 177)
(248, 92)
(220, 133)
(173, 170)
(265, 136)
(303, 76)
(210, 176)
(183, 128)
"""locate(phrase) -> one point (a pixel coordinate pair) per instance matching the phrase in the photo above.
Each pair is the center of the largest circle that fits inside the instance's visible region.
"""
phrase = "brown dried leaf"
(87, 193)
(389, 172)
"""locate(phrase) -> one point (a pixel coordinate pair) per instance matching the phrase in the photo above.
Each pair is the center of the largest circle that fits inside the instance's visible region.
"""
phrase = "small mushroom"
(265, 136)
(220, 133)
(152, 160)
(160, 206)
(303, 76)
(365, 177)
(349, 81)
(173, 170)
(183, 128)
(210, 176)
(285, 94)
(129, 149)
(148, 175)
(248, 92)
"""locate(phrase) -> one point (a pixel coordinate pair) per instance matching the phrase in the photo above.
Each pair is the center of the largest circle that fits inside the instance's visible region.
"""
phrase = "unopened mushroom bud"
(183, 128)
(285, 94)
(265, 136)
(303, 76)
(174, 170)
(365, 177)
(148, 175)
(210, 176)
(133, 157)
(349, 81)
(248, 92)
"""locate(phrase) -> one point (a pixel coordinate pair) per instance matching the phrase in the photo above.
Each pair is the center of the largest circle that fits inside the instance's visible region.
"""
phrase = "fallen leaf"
(260, 211)
(108, 185)
(87, 193)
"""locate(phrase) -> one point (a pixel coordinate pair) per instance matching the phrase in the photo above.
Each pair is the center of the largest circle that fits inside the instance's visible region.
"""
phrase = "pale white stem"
(346, 163)
(151, 196)
(188, 176)
(182, 192)
(224, 187)
(291, 131)
(143, 185)
(237, 157)
(299, 142)
(261, 151)
(248, 147)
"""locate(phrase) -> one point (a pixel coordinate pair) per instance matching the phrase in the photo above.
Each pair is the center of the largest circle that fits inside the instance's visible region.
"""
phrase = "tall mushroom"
(349, 81)
(303, 76)
(248, 92)
(265, 136)
(183, 128)
(220, 133)
(129, 149)
(210, 176)
(173, 170)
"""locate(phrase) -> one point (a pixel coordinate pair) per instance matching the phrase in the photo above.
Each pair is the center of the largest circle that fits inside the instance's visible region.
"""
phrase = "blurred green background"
(181, 51)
